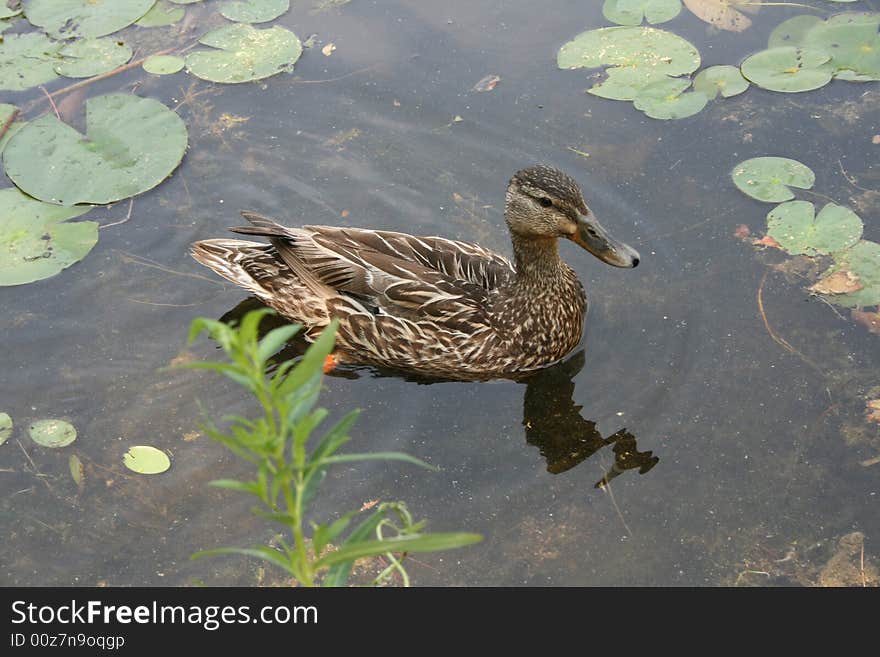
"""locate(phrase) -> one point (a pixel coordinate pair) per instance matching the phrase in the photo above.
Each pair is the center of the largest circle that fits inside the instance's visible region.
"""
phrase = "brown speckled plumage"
(429, 305)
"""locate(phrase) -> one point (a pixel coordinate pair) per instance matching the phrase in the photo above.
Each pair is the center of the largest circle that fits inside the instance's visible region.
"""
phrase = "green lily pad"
(631, 12)
(244, 53)
(35, 243)
(163, 64)
(6, 111)
(77, 471)
(791, 32)
(160, 15)
(27, 60)
(84, 18)
(5, 427)
(84, 58)
(796, 229)
(665, 100)
(254, 11)
(863, 260)
(769, 178)
(726, 80)
(52, 433)
(788, 69)
(644, 47)
(852, 41)
(8, 12)
(131, 145)
(144, 459)
(624, 82)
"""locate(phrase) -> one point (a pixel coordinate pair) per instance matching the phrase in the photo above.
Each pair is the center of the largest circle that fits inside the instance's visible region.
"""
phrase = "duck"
(431, 306)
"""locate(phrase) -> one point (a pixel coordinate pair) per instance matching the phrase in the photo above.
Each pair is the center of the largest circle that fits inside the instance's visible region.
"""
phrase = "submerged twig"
(146, 262)
(8, 122)
(606, 486)
(39, 475)
(336, 79)
(127, 216)
(51, 102)
(778, 339)
(850, 179)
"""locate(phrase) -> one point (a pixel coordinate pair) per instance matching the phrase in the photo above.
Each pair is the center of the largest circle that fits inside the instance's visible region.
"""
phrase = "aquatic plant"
(289, 466)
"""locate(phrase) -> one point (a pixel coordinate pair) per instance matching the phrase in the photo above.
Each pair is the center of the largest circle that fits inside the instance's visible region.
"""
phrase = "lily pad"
(631, 12)
(52, 433)
(85, 18)
(27, 60)
(796, 229)
(791, 32)
(769, 178)
(254, 11)
(665, 100)
(35, 243)
(863, 261)
(7, 111)
(726, 80)
(244, 53)
(131, 145)
(5, 427)
(789, 69)
(8, 12)
(84, 58)
(724, 14)
(145, 459)
(624, 82)
(644, 47)
(163, 64)
(77, 471)
(160, 15)
(852, 42)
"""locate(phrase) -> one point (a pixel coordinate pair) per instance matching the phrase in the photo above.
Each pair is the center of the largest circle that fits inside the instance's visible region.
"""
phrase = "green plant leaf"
(374, 456)
(769, 178)
(793, 225)
(625, 82)
(260, 552)
(84, 58)
(254, 11)
(163, 64)
(249, 487)
(35, 240)
(862, 260)
(244, 53)
(27, 60)
(852, 41)
(52, 433)
(85, 18)
(145, 459)
(665, 99)
(131, 145)
(631, 12)
(5, 427)
(324, 534)
(726, 80)
(339, 573)
(311, 367)
(791, 32)
(645, 47)
(789, 69)
(408, 543)
(275, 339)
(161, 14)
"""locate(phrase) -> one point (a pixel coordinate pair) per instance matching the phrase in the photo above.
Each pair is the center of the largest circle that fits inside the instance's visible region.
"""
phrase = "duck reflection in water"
(552, 421)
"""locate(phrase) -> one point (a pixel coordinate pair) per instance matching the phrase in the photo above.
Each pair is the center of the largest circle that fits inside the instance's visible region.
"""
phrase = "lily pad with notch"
(632, 12)
(254, 11)
(625, 82)
(798, 230)
(789, 69)
(862, 261)
(645, 47)
(163, 64)
(27, 60)
(853, 42)
(769, 178)
(84, 58)
(667, 99)
(726, 80)
(52, 433)
(84, 18)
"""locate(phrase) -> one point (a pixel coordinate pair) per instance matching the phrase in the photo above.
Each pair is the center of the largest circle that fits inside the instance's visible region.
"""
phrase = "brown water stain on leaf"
(488, 83)
(724, 14)
(840, 282)
(869, 320)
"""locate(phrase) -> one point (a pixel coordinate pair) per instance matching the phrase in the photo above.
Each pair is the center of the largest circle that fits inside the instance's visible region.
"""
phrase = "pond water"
(731, 458)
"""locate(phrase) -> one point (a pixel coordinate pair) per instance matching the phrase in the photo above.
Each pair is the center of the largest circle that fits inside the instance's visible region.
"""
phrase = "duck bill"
(591, 236)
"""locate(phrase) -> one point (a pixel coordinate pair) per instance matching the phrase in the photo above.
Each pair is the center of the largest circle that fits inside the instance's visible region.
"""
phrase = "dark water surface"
(759, 449)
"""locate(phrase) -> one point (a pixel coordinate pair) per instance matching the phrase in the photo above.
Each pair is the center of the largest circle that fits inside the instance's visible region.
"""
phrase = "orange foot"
(330, 363)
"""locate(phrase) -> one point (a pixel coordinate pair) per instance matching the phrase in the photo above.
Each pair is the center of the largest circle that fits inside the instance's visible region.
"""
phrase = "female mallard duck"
(430, 305)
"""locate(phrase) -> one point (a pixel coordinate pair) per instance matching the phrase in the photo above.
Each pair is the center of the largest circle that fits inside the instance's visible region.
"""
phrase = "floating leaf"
(84, 58)
(163, 64)
(793, 225)
(131, 145)
(8, 12)
(244, 53)
(789, 69)
(644, 47)
(144, 459)
(5, 427)
(852, 42)
(27, 60)
(769, 178)
(77, 471)
(631, 12)
(624, 82)
(724, 79)
(52, 433)
(254, 11)
(34, 243)
(840, 282)
(791, 32)
(722, 14)
(8, 111)
(665, 100)
(85, 18)
(863, 261)
(161, 14)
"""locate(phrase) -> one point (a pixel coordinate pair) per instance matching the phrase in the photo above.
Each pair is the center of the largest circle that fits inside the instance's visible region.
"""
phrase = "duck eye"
(546, 202)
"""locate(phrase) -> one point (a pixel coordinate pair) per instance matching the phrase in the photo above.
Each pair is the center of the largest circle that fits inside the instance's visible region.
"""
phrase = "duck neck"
(537, 261)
